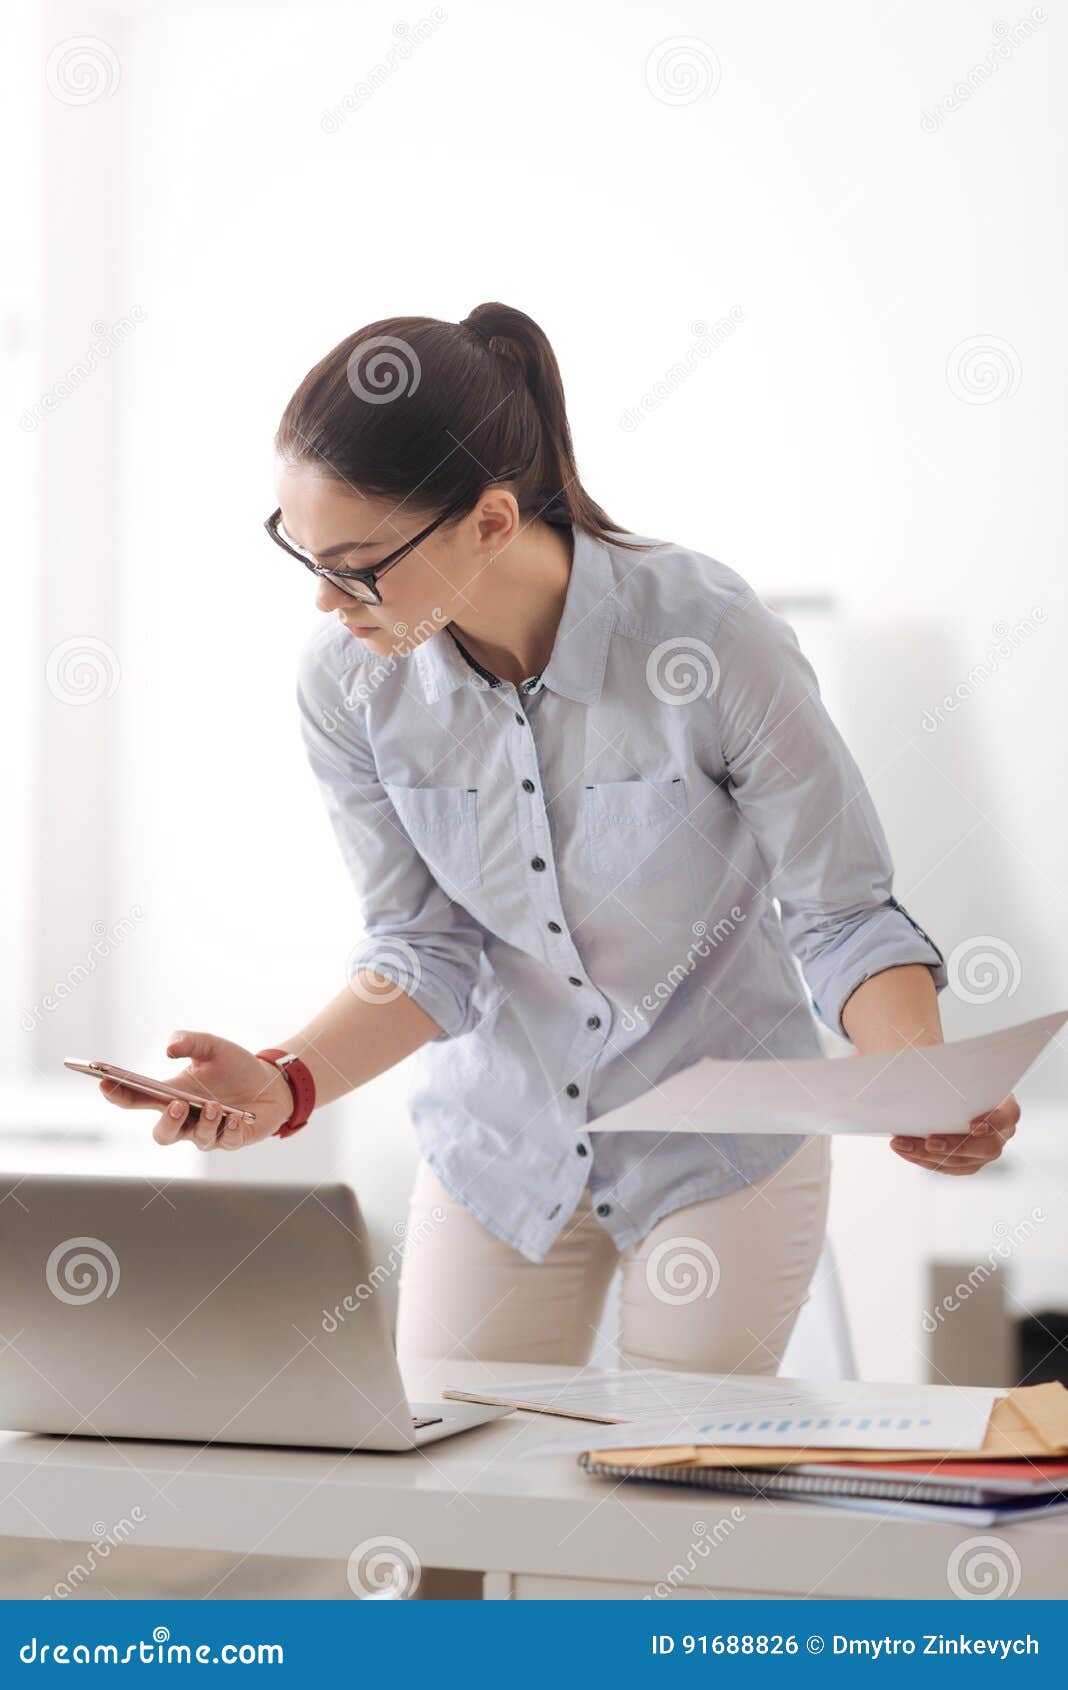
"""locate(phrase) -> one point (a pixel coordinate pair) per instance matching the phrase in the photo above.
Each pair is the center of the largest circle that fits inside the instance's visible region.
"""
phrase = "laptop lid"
(199, 1309)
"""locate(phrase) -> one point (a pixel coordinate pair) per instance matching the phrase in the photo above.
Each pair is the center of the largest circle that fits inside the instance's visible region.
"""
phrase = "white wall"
(18, 679)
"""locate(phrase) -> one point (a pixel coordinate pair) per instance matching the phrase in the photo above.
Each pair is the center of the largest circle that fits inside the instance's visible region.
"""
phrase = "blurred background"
(804, 273)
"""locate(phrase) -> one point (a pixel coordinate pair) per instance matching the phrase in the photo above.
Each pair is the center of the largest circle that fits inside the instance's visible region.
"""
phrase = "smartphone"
(151, 1088)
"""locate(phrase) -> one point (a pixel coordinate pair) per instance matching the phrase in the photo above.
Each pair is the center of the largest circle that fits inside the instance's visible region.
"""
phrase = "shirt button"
(604, 1208)
(580, 1150)
(572, 1090)
(528, 786)
(593, 1022)
(537, 863)
(554, 927)
(521, 719)
(573, 980)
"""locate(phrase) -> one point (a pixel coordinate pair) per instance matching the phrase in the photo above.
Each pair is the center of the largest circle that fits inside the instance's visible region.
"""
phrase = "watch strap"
(301, 1084)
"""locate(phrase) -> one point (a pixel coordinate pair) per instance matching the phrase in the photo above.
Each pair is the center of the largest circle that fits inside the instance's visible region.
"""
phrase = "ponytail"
(427, 412)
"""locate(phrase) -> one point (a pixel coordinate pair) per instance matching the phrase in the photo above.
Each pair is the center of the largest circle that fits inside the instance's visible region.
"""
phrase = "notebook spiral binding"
(755, 1481)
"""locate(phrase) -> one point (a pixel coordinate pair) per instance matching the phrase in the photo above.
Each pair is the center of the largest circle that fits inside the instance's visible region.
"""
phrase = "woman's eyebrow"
(345, 546)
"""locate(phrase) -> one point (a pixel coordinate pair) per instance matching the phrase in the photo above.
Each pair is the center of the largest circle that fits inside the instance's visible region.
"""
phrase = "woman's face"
(421, 593)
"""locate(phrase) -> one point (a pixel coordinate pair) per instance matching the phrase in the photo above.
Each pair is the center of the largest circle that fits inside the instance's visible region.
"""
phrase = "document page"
(659, 1407)
(928, 1089)
(822, 1419)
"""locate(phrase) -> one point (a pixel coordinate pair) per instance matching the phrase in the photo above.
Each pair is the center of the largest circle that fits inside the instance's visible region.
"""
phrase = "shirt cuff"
(885, 938)
(443, 999)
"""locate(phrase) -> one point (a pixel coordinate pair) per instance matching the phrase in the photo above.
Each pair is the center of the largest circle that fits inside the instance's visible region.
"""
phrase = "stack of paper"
(981, 1456)
(1018, 1472)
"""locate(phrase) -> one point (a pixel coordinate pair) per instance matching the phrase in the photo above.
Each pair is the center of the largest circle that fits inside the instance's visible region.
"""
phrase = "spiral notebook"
(982, 1492)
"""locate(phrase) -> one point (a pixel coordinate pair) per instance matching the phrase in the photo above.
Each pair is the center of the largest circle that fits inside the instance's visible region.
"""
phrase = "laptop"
(205, 1310)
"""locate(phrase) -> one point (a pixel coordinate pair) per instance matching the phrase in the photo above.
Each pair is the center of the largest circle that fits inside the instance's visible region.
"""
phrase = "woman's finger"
(232, 1136)
(982, 1146)
(930, 1166)
(206, 1130)
(950, 1162)
(989, 1141)
(195, 1047)
(964, 1152)
(223, 1126)
(169, 1127)
(941, 1142)
(1004, 1116)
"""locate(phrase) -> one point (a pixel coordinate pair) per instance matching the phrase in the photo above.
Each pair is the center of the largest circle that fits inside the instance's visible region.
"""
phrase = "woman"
(569, 770)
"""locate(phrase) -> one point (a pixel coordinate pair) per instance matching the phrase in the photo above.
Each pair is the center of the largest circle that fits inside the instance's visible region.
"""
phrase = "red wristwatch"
(301, 1084)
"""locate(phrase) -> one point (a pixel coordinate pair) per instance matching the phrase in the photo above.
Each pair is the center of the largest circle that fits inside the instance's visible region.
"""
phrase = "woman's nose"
(328, 596)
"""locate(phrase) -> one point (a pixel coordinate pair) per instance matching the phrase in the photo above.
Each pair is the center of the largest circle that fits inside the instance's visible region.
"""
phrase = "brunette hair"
(429, 412)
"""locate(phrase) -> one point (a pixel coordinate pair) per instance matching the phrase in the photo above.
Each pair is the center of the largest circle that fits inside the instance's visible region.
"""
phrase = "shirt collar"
(576, 667)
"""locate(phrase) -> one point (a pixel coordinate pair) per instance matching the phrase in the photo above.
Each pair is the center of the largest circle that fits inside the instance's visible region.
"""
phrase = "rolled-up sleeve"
(414, 934)
(818, 833)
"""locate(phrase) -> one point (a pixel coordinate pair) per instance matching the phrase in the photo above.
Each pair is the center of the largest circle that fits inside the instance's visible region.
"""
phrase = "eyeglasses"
(362, 584)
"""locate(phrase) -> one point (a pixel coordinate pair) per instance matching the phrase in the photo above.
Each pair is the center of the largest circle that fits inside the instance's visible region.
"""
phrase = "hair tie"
(482, 334)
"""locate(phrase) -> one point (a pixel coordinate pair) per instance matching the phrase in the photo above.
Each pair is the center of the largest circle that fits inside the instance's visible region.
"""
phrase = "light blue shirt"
(598, 877)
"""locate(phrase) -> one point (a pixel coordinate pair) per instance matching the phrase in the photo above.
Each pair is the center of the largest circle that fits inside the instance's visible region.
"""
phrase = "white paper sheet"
(827, 1421)
(658, 1407)
(933, 1089)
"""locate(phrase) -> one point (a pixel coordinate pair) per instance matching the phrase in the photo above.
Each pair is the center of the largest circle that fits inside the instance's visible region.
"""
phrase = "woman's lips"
(362, 629)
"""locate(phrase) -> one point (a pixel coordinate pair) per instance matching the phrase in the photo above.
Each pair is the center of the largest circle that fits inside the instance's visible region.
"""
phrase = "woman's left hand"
(963, 1153)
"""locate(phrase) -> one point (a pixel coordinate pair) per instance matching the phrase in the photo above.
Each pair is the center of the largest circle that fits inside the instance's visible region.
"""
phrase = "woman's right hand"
(218, 1069)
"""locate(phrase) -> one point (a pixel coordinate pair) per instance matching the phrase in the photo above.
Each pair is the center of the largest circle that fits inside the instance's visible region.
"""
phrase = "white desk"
(535, 1526)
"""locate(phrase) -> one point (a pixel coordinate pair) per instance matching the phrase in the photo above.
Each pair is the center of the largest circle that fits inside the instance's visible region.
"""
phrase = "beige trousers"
(715, 1287)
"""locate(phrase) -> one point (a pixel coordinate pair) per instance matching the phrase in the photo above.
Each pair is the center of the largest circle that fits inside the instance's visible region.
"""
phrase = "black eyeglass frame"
(369, 577)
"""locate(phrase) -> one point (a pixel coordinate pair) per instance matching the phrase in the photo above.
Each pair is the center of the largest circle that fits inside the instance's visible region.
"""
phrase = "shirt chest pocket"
(442, 824)
(636, 831)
